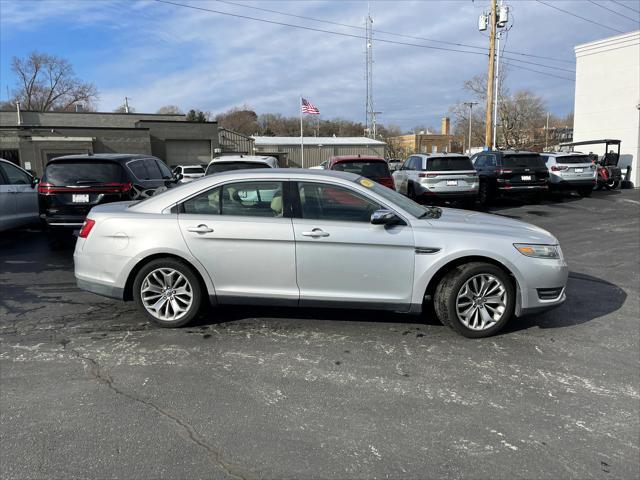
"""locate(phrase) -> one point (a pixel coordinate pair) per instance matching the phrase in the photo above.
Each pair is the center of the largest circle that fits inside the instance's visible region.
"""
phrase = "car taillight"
(117, 187)
(558, 168)
(86, 228)
(428, 175)
(45, 187)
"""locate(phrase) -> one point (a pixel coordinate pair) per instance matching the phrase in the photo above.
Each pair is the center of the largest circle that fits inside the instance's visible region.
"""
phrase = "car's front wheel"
(168, 292)
(475, 299)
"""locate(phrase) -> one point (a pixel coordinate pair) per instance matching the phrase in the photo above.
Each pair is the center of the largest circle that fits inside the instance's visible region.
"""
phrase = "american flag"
(308, 107)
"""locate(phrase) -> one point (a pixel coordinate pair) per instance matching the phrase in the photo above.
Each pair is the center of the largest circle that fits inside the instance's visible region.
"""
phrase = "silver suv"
(570, 171)
(442, 175)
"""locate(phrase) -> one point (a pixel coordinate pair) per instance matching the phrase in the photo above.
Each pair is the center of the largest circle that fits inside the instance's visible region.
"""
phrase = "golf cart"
(609, 174)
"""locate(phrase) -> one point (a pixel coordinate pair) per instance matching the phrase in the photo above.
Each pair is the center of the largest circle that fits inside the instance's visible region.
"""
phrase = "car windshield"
(369, 169)
(573, 159)
(228, 166)
(408, 205)
(82, 173)
(531, 161)
(448, 164)
(193, 170)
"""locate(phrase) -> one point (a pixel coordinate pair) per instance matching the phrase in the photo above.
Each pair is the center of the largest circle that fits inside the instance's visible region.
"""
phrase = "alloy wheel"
(166, 294)
(481, 302)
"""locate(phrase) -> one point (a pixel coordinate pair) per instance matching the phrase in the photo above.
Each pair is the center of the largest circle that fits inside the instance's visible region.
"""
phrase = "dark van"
(73, 184)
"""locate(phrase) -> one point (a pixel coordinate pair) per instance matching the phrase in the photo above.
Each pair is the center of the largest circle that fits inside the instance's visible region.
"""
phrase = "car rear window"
(531, 161)
(369, 169)
(449, 164)
(228, 166)
(82, 173)
(193, 170)
(573, 159)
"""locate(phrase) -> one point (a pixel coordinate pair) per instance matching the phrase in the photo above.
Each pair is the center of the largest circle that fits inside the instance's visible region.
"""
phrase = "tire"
(450, 296)
(484, 194)
(585, 192)
(185, 299)
(611, 184)
(411, 192)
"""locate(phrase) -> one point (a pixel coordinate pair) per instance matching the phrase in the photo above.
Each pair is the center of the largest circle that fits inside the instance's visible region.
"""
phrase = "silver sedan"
(315, 238)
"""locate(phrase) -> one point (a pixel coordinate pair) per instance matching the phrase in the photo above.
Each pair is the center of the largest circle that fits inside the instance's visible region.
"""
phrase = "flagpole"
(301, 134)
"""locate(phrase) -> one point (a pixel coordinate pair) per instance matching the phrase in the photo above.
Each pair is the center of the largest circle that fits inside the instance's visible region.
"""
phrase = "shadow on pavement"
(588, 298)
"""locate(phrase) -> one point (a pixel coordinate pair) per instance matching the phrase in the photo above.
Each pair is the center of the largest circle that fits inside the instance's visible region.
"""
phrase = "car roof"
(190, 166)
(564, 154)
(244, 158)
(351, 158)
(511, 152)
(174, 195)
(440, 155)
(113, 157)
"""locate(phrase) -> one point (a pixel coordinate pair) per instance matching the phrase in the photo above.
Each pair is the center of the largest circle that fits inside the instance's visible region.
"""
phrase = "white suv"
(189, 172)
(570, 171)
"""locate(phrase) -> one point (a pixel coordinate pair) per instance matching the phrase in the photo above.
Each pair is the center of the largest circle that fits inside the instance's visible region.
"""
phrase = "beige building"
(425, 142)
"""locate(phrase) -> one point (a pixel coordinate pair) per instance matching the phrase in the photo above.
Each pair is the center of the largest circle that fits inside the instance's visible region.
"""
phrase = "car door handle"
(200, 229)
(316, 233)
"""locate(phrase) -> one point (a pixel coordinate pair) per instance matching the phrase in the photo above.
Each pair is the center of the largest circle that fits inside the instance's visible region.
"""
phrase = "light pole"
(470, 105)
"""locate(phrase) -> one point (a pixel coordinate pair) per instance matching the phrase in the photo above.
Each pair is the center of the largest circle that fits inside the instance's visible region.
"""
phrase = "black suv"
(73, 184)
(510, 172)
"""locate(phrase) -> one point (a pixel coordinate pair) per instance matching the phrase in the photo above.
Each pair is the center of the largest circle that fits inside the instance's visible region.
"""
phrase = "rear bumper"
(100, 289)
(569, 184)
(63, 221)
(451, 195)
(518, 189)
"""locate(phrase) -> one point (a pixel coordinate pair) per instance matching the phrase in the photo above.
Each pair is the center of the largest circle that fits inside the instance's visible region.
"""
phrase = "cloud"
(161, 54)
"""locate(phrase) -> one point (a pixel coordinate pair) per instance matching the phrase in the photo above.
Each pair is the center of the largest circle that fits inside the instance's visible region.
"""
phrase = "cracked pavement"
(89, 389)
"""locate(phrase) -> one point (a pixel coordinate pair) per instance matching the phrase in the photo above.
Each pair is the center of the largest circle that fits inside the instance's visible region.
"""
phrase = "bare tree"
(240, 119)
(170, 110)
(48, 83)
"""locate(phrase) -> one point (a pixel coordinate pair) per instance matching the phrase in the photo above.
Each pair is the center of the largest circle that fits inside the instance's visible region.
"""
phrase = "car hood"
(467, 222)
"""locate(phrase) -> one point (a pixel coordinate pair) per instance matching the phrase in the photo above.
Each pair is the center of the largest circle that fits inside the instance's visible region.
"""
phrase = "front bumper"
(542, 276)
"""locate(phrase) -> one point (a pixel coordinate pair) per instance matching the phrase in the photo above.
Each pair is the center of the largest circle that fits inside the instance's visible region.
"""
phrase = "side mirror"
(177, 177)
(34, 181)
(385, 217)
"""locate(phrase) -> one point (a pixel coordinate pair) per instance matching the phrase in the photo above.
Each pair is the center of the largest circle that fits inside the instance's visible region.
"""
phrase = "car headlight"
(538, 251)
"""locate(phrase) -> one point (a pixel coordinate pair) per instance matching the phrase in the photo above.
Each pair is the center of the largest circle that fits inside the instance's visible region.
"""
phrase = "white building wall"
(607, 96)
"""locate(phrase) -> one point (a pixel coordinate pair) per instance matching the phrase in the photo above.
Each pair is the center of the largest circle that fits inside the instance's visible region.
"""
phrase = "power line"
(538, 64)
(283, 24)
(617, 13)
(578, 16)
(246, 17)
(625, 6)
(538, 71)
(444, 42)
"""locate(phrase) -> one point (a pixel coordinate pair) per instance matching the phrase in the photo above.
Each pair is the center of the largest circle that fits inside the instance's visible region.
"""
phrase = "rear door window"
(228, 166)
(569, 159)
(369, 169)
(82, 173)
(447, 164)
(164, 170)
(523, 161)
(153, 169)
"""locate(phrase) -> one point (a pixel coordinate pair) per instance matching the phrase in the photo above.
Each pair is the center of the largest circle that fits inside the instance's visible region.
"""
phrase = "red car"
(375, 168)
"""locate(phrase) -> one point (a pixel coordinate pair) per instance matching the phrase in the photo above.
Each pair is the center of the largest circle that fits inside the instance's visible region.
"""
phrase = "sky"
(157, 53)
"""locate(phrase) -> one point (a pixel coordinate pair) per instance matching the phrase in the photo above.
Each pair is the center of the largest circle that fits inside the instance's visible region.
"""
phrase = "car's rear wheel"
(484, 195)
(611, 184)
(168, 292)
(475, 299)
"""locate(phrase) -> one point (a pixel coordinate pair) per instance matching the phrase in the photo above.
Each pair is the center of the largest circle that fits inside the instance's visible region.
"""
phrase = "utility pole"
(369, 110)
(374, 123)
(546, 134)
(496, 90)
(492, 56)
(126, 105)
(470, 105)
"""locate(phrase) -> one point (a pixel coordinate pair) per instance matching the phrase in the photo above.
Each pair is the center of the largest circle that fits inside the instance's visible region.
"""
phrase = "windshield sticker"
(365, 182)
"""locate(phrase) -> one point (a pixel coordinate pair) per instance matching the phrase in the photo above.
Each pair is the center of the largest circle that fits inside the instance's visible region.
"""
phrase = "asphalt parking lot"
(90, 389)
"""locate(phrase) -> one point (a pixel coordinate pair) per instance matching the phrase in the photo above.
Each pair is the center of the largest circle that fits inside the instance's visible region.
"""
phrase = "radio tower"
(370, 113)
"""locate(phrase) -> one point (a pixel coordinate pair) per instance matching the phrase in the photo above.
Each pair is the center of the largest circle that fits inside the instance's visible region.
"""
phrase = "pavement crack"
(98, 374)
